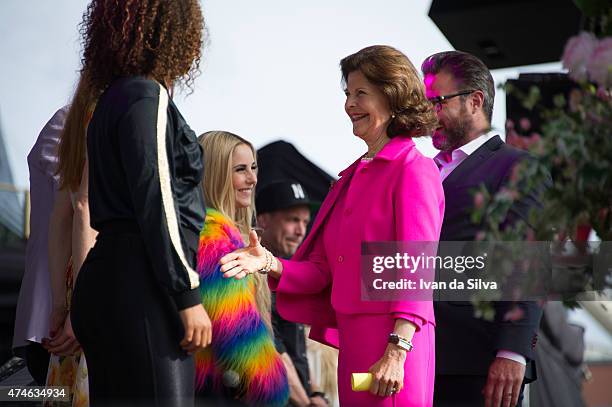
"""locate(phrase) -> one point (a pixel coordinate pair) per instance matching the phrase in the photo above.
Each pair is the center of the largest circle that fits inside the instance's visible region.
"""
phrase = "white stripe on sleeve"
(166, 186)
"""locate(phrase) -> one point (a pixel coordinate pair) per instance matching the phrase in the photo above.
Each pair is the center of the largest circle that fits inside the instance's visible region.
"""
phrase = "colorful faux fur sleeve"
(241, 343)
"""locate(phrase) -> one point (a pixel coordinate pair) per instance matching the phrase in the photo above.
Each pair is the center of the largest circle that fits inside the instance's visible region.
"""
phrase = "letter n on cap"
(298, 192)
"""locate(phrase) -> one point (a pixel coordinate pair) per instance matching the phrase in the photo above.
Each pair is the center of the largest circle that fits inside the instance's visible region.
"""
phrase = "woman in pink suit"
(391, 193)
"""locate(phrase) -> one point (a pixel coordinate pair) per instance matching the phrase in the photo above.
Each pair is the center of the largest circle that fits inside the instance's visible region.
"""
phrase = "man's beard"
(456, 131)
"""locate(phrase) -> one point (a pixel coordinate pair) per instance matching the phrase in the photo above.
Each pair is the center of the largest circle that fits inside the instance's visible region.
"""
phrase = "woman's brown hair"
(72, 145)
(159, 39)
(393, 73)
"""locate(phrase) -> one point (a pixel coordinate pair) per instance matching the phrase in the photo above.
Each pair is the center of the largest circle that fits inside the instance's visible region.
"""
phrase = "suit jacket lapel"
(336, 189)
(468, 165)
(391, 150)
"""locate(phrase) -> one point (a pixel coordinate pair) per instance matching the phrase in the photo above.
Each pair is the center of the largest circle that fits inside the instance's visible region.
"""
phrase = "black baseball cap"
(282, 195)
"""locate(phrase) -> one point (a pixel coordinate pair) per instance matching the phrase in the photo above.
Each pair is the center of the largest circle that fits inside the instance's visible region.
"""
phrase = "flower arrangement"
(574, 146)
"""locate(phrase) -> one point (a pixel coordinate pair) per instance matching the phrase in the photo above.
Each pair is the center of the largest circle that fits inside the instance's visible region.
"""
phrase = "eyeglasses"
(438, 101)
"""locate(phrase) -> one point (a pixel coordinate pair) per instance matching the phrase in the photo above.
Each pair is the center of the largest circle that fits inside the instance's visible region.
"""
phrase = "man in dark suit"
(478, 362)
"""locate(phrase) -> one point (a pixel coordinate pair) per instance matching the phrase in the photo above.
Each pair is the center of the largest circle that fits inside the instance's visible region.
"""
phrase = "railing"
(26, 205)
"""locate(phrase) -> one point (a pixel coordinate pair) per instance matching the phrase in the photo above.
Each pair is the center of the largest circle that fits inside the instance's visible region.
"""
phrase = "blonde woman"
(241, 362)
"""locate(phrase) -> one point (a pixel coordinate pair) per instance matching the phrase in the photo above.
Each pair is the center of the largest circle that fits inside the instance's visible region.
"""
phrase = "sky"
(269, 69)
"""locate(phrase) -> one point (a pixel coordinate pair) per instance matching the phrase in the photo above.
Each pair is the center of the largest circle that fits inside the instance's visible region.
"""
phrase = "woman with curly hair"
(390, 194)
(242, 362)
(136, 308)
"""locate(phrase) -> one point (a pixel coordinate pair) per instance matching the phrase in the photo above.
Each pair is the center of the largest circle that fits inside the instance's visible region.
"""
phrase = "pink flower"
(525, 123)
(535, 137)
(599, 65)
(576, 55)
(509, 124)
(514, 314)
(531, 235)
(479, 200)
(513, 139)
(604, 94)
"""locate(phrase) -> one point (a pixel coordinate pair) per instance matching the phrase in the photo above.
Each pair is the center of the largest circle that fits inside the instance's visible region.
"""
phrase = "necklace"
(372, 151)
(365, 157)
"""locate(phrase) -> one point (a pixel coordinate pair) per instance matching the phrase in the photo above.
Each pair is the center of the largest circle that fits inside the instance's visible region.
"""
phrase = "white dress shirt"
(447, 162)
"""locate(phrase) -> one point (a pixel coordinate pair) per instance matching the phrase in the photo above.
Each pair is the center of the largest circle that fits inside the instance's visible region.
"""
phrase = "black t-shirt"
(289, 337)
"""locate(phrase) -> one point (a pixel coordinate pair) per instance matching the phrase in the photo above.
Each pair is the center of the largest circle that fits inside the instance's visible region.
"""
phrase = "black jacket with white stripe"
(145, 166)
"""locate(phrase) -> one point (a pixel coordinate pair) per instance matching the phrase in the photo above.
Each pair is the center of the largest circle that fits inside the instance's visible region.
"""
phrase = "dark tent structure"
(507, 33)
(280, 161)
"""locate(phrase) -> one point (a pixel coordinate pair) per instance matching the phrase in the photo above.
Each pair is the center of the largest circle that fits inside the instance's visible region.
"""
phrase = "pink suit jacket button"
(340, 259)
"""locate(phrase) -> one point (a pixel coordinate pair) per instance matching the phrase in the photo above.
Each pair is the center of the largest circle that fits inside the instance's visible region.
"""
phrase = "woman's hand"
(198, 329)
(388, 372)
(62, 340)
(57, 319)
(248, 260)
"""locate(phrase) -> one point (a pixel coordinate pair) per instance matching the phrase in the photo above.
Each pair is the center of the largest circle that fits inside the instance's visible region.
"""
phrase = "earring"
(392, 115)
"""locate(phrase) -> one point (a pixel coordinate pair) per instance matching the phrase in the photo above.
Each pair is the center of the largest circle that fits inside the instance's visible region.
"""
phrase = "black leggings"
(129, 327)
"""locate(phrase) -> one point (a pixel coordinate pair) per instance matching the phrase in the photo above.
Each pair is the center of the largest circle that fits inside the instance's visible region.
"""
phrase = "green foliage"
(593, 8)
(598, 15)
(576, 148)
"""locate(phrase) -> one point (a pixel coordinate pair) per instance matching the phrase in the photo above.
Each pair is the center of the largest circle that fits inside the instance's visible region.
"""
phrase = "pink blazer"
(397, 197)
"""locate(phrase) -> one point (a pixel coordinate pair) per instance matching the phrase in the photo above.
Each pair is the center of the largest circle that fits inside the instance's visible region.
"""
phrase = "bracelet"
(268, 265)
(320, 394)
(400, 342)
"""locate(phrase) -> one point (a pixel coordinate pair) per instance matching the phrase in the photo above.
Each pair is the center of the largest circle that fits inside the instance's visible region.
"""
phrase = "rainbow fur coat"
(241, 342)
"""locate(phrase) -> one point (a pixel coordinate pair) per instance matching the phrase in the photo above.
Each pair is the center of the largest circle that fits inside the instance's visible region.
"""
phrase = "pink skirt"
(363, 339)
